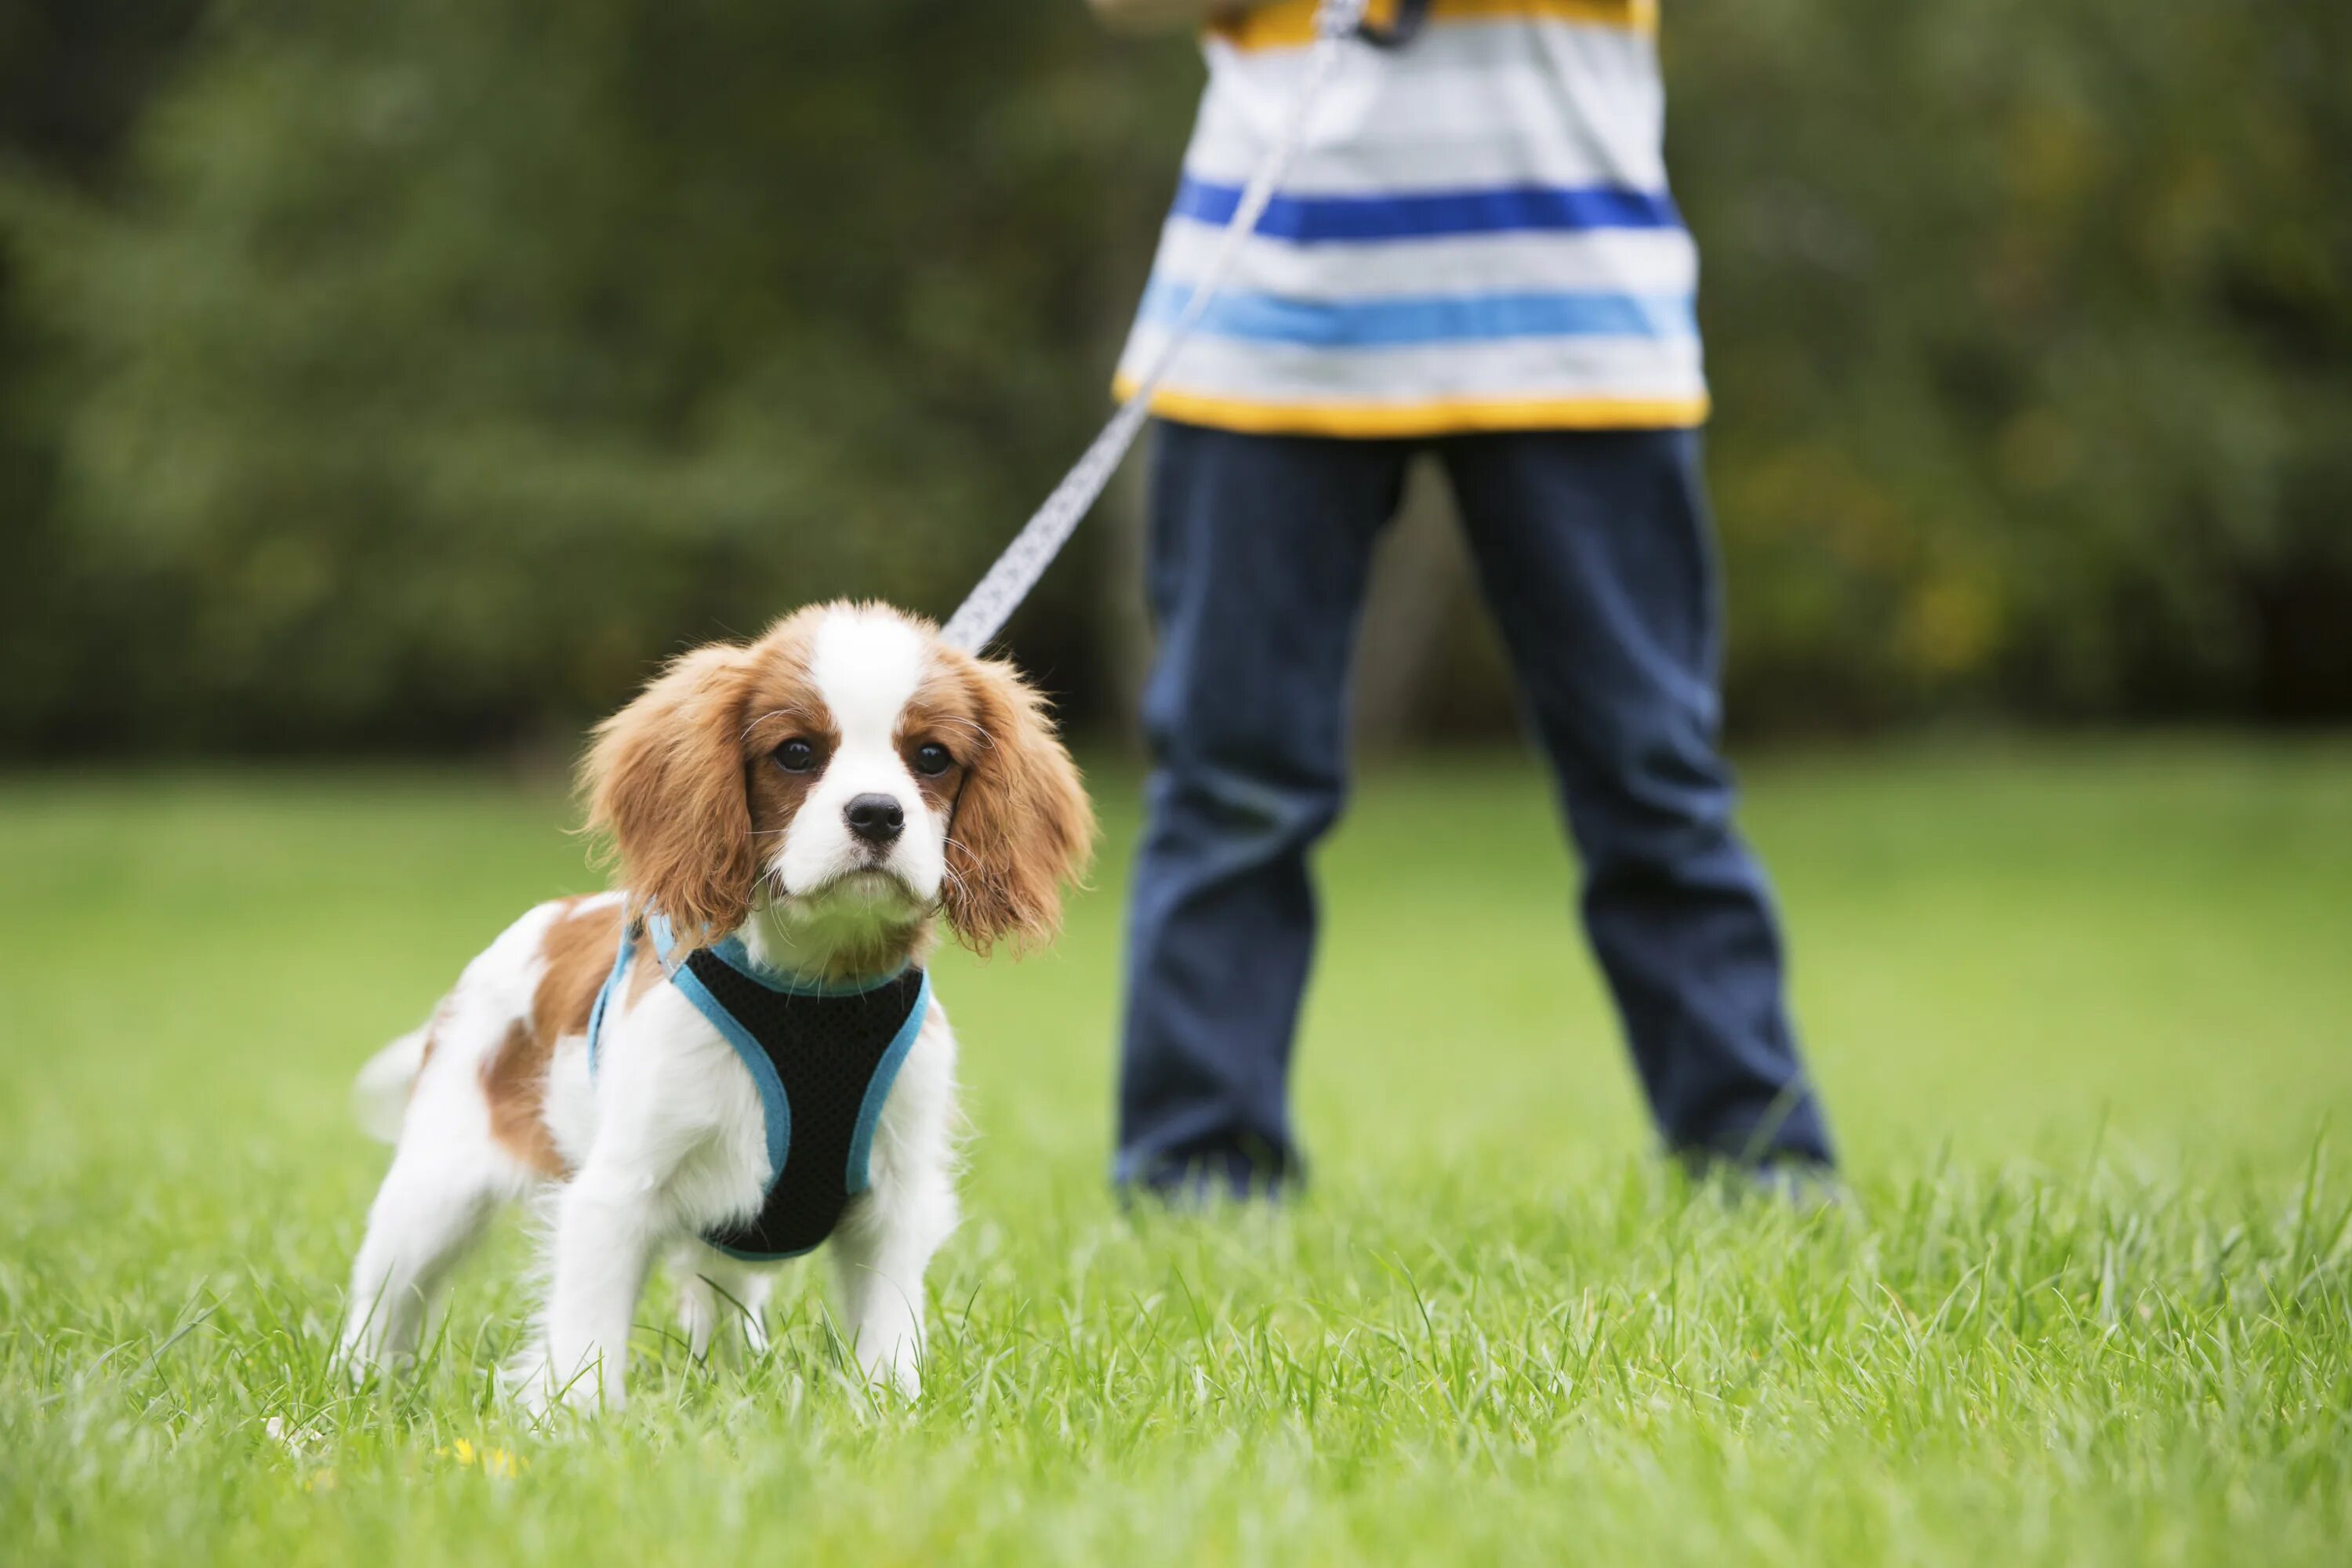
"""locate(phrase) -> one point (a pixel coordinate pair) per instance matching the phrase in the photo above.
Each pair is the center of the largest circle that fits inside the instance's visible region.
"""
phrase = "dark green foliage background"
(386, 376)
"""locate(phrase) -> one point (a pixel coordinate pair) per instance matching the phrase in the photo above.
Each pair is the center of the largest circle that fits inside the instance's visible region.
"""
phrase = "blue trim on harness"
(775, 1103)
(772, 1100)
(860, 1174)
(628, 949)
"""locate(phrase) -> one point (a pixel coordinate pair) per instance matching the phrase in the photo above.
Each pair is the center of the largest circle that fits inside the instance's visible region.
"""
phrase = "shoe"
(1207, 1180)
(1807, 1187)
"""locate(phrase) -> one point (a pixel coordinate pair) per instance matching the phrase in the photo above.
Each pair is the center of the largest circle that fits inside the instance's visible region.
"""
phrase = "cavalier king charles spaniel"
(735, 1057)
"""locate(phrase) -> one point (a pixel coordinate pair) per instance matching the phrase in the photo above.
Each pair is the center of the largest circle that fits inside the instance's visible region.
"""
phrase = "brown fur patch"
(1022, 825)
(781, 703)
(515, 1081)
(680, 781)
(943, 711)
(578, 949)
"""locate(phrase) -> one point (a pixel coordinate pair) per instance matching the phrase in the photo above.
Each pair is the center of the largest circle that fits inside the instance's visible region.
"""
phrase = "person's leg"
(1259, 549)
(1595, 551)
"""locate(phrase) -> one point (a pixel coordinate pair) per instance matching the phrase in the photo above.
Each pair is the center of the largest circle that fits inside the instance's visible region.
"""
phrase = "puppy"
(736, 1057)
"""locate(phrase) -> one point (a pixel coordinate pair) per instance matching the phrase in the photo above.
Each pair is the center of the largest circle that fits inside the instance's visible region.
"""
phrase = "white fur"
(379, 1094)
(867, 667)
(667, 1141)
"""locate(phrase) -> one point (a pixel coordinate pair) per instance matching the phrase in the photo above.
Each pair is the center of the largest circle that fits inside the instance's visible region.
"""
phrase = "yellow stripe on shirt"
(1290, 24)
(1443, 416)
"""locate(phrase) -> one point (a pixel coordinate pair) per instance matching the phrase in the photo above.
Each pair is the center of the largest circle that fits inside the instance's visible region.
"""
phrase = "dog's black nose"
(876, 818)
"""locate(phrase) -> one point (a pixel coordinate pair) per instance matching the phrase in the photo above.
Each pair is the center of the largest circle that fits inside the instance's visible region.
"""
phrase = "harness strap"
(776, 1104)
(773, 1101)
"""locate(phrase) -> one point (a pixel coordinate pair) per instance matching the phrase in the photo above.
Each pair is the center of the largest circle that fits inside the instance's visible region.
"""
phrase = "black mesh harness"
(824, 1058)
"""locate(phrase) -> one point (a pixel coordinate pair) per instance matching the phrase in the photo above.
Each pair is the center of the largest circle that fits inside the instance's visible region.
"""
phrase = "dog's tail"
(379, 1094)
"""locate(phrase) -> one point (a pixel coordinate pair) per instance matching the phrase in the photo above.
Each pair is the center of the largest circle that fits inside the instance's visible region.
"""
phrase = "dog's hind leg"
(447, 1176)
(425, 1217)
(464, 1097)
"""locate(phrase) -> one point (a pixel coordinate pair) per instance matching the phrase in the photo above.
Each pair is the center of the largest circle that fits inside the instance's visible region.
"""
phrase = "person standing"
(1474, 254)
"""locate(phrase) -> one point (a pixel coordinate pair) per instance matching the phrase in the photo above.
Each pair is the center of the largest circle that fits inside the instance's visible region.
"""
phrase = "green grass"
(2083, 1016)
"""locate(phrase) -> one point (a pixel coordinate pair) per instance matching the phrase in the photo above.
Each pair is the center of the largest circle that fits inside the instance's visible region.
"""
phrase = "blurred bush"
(2031, 326)
(390, 376)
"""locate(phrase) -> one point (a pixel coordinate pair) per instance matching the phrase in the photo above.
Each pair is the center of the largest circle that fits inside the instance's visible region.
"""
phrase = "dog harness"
(824, 1057)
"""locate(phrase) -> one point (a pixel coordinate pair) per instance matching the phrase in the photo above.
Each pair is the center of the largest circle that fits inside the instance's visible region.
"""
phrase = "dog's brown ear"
(1022, 825)
(665, 780)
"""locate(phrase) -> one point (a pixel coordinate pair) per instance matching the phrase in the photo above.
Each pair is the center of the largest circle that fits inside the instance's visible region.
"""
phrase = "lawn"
(2083, 1016)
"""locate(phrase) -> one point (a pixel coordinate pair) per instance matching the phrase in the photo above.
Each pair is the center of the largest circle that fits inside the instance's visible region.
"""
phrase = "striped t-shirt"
(1475, 234)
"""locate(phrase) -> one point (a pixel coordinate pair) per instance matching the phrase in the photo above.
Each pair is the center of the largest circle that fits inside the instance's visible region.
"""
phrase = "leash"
(999, 592)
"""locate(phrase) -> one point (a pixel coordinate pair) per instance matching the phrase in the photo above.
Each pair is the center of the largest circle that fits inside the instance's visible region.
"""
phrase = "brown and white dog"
(726, 788)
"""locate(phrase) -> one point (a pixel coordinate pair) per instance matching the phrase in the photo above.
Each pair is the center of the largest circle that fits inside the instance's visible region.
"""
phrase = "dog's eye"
(931, 759)
(795, 756)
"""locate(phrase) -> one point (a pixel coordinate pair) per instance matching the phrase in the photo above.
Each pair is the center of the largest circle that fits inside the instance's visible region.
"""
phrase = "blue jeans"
(1594, 553)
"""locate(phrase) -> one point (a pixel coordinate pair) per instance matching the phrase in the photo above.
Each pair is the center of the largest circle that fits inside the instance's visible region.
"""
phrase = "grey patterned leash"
(984, 610)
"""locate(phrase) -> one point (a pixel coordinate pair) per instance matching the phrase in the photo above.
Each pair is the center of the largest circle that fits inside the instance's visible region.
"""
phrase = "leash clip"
(654, 927)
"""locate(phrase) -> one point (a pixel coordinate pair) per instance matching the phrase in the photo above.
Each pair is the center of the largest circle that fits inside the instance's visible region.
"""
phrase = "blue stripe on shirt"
(1430, 215)
(1398, 322)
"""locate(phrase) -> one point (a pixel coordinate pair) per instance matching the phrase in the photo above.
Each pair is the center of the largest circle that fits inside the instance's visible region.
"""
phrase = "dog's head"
(843, 776)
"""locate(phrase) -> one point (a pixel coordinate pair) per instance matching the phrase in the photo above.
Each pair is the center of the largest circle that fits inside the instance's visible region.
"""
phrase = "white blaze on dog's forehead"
(867, 666)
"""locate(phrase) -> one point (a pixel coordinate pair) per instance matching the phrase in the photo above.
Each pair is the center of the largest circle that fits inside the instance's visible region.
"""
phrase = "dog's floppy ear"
(665, 779)
(1022, 825)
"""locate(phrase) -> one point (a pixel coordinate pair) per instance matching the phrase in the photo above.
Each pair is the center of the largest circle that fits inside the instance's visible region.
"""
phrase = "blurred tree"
(74, 77)
(415, 375)
(2031, 326)
(450, 361)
